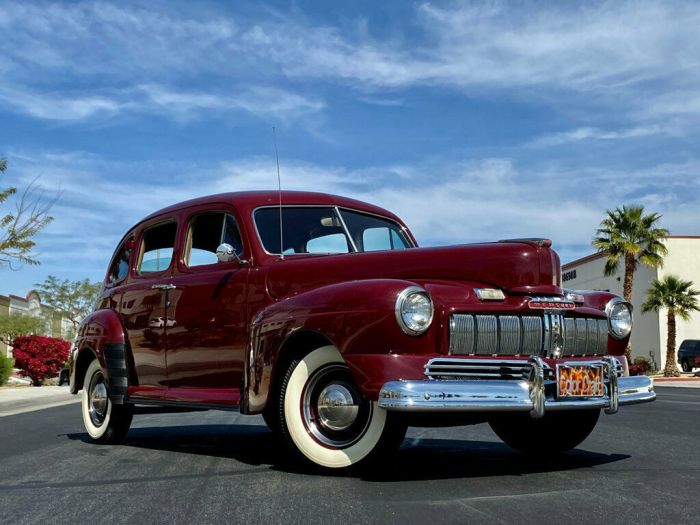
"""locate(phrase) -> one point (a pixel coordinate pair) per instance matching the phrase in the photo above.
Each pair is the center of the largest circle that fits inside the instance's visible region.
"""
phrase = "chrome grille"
(550, 335)
(447, 369)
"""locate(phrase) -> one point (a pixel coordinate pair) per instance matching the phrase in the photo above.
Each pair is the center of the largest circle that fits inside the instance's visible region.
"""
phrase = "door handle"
(163, 286)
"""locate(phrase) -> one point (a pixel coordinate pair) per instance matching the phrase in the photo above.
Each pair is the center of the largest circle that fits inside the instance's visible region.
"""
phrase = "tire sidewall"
(301, 437)
(97, 433)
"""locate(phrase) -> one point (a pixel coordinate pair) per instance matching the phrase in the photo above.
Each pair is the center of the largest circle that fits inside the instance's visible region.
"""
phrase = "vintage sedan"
(322, 314)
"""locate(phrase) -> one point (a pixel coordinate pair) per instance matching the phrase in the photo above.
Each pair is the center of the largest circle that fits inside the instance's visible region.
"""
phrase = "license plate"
(580, 381)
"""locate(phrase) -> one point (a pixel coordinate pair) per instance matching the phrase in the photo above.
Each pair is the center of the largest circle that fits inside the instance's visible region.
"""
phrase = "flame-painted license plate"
(580, 381)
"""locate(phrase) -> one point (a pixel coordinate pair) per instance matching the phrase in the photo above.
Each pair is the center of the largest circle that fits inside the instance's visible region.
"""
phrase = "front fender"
(101, 336)
(357, 317)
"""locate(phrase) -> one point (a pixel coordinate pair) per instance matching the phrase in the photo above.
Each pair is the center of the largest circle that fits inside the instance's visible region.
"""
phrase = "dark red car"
(324, 316)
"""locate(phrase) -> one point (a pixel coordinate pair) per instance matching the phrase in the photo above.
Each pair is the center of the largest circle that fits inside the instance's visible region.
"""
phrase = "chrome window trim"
(347, 231)
(337, 210)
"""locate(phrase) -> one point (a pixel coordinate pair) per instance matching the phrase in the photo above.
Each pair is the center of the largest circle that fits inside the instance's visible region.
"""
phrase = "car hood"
(518, 266)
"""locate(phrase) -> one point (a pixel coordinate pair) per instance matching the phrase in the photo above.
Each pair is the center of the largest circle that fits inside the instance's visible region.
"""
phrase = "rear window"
(120, 264)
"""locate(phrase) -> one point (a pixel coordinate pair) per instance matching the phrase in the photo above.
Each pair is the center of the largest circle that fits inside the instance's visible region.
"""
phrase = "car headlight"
(414, 310)
(619, 318)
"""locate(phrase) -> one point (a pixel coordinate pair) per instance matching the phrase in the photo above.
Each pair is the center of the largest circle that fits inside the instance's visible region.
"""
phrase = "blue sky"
(472, 121)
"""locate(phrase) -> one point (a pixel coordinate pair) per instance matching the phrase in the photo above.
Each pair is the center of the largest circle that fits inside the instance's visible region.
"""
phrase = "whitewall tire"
(326, 418)
(103, 421)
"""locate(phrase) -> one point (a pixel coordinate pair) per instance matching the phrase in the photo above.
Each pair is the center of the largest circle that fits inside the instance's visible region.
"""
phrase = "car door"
(143, 306)
(207, 314)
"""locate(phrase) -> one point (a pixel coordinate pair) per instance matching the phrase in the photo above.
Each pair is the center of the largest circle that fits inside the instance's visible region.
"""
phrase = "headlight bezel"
(609, 309)
(401, 299)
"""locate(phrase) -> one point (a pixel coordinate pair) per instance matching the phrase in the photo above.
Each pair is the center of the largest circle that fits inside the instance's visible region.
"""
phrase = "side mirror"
(226, 253)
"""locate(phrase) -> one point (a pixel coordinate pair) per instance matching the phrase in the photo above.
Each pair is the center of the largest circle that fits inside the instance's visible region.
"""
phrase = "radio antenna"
(279, 189)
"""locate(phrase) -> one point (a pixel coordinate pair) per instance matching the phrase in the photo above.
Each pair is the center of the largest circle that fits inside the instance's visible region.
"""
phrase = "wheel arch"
(101, 336)
(86, 356)
(262, 380)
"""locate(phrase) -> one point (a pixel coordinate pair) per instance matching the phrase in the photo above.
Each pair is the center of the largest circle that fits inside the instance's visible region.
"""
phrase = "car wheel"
(555, 433)
(104, 421)
(685, 366)
(326, 418)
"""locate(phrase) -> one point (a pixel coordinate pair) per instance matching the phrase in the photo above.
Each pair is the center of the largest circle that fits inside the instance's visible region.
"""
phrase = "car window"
(333, 243)
(302, 226)
(206, 233)
(375, 239)
(120, 264)
(320, 229)
(371, 233)
(157, 247)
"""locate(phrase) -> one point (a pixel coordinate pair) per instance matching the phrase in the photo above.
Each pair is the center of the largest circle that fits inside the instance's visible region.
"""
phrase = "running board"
(166, 403)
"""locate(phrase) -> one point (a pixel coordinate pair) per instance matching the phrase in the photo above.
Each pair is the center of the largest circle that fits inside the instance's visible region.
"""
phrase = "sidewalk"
(686, 380)
(20, 399)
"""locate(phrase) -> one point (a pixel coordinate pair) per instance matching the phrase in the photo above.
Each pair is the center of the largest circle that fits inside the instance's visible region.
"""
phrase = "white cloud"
(153, 98)
(587, 133)
(640, 56)
(444, 202)
(54, 106)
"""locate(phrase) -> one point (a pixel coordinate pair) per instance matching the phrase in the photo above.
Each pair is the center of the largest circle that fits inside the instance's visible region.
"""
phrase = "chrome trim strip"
(486, 335)
(502, 396)
(345, 229)
(446, 369)
(532, 335)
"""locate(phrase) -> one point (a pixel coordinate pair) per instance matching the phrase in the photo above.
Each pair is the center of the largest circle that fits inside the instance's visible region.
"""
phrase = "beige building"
(650, 329)
(56, 326)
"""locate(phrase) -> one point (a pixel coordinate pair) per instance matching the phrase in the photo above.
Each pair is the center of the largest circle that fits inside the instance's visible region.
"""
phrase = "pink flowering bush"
(39, 357)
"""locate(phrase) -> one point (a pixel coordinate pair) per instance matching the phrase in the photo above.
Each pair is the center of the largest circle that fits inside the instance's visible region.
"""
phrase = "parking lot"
(640, 466)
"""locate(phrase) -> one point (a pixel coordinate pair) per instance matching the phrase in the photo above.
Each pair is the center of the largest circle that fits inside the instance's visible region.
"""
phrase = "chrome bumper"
(527, 395)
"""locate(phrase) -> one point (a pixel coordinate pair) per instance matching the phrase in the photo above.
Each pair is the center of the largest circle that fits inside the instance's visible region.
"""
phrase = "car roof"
(253, 199)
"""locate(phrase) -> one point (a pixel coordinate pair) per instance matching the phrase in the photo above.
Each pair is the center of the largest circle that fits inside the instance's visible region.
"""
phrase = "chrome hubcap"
(337, 409)
(98, 402)
(335, 412)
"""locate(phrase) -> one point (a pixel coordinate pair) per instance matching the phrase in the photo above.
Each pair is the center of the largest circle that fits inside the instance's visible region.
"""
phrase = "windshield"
(322, 229)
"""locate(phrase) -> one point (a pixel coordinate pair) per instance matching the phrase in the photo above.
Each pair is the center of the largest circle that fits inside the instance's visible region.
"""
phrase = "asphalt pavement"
(639, 466)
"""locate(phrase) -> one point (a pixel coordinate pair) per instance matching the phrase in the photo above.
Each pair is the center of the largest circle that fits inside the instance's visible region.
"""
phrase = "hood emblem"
(550, 303)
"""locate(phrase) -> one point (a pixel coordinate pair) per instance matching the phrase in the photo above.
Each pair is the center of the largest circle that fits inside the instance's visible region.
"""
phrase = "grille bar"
(446, 369)
(549, 335)
(459, 368)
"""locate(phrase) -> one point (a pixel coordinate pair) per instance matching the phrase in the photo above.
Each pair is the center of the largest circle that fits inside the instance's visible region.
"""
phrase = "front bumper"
(533, 395)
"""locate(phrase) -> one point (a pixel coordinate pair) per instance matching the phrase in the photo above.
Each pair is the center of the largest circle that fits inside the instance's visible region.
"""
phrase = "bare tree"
(19, 226)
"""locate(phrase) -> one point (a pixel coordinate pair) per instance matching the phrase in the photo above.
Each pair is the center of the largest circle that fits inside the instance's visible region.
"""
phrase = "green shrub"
(6, 365)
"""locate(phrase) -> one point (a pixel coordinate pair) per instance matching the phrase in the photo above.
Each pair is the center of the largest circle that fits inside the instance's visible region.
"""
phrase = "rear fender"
(101, 336)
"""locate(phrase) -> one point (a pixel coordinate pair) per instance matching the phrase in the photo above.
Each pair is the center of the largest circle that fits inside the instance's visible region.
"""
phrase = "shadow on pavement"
(418, 459)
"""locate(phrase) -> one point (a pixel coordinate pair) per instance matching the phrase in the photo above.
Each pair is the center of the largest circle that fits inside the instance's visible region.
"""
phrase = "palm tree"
(627, 234)
(678, 297)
